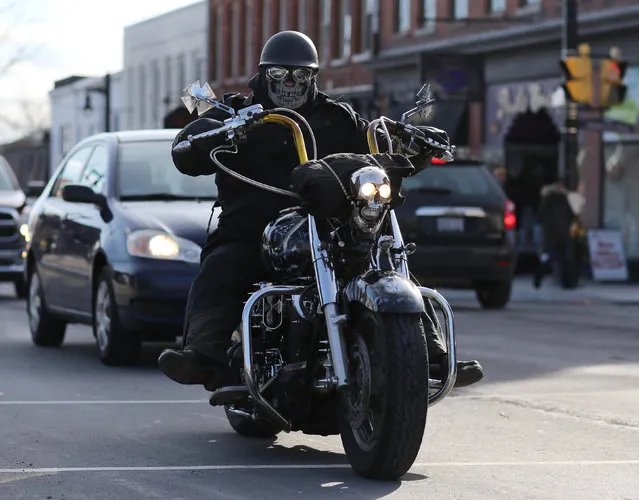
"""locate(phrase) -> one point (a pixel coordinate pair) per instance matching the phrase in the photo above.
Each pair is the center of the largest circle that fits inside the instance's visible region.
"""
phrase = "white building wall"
(70, 122)
(161, 56)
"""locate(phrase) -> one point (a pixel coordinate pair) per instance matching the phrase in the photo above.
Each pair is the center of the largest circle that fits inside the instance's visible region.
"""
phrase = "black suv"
(463, 225)
(13, 208)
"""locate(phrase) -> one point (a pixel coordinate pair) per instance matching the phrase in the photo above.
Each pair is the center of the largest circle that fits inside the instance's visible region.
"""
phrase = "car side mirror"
(34, 189)
(77, 193)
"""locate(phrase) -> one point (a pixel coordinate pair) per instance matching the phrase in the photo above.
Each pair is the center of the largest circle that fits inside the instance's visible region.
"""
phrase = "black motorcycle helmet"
(288, 69)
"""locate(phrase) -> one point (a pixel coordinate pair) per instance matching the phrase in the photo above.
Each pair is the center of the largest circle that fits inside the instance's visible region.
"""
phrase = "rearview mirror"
(77, 193)
(34, 189)
(423, 103)
(202, 98)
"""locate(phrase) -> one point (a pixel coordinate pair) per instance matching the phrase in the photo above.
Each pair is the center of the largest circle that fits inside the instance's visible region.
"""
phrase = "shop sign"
(607, 257)
(505, 101)
(514, 100)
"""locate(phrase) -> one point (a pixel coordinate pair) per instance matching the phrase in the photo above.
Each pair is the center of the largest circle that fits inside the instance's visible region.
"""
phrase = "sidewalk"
(588, 291)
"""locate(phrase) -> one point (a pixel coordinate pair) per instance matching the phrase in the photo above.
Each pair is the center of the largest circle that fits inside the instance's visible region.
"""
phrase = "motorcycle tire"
(398, 394)
(247, 427)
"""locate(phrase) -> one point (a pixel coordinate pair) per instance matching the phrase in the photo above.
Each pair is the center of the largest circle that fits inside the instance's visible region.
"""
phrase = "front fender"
(385, 292)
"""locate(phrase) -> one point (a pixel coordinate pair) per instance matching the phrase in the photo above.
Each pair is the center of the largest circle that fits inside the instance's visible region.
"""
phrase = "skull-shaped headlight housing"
(370, 186)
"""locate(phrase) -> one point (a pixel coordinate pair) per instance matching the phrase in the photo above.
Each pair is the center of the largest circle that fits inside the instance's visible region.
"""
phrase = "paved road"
(556, 418)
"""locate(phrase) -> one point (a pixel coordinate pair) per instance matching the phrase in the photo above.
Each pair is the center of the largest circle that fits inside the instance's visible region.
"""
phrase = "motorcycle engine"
(286, 248)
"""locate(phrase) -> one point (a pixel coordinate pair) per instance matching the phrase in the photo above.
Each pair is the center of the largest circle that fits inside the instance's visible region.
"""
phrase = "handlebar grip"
(186, 144)
(182, 147)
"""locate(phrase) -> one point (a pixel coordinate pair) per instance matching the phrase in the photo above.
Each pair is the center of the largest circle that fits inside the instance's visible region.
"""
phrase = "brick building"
(497, 87)
(497, 83)
(340, 30)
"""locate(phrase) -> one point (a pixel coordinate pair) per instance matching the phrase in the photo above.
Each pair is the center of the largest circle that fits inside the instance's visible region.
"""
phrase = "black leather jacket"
(268, 156)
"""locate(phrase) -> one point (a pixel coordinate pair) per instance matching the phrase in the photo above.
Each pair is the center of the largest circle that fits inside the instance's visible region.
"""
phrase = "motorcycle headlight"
(371, 184)
(372, 188)
(367, 189)
(384, 191)
(153, 244)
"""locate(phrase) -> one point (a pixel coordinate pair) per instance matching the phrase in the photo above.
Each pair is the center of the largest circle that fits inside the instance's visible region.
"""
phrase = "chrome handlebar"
(234, 127)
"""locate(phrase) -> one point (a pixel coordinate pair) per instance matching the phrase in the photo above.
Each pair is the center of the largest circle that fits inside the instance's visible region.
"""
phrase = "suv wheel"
(494, 294)
(47, 330)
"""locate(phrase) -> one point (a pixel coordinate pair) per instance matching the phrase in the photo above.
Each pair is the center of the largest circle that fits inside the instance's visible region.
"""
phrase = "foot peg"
(230, 395)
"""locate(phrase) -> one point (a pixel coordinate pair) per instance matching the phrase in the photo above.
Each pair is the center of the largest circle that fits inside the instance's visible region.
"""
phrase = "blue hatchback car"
(114, 241)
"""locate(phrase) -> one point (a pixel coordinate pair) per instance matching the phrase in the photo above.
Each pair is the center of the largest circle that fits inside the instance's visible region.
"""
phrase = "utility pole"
(570, 135)
(375, 47)
(107, 102)
(106, 90)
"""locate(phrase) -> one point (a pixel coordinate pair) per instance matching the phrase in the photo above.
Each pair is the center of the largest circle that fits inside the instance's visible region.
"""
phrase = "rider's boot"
(468, 372)
(190, 367)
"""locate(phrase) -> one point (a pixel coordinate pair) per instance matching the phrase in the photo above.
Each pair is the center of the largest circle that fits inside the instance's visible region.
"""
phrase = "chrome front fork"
(329, 300)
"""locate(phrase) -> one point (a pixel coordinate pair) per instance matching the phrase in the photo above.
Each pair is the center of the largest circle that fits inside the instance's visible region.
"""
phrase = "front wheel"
(116, 345)
(384, 411)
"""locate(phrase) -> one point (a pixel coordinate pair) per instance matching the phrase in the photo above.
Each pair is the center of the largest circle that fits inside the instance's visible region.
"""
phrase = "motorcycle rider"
(230, 261)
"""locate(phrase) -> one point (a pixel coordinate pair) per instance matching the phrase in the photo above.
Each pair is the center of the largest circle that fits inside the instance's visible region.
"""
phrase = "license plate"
(450, 224)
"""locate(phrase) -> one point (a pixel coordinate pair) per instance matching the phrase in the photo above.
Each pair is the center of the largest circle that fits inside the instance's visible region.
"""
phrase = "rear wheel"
(494, 294)
(383, 418)
(47, 330)
(116, 345)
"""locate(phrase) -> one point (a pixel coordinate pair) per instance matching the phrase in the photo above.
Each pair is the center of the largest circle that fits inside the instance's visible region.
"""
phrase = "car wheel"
(116, 345)
(20, 287)
(47, 330)
(494, 294)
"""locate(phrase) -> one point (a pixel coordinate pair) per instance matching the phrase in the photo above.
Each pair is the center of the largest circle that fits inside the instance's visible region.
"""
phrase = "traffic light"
(578, 76)
(612, 72)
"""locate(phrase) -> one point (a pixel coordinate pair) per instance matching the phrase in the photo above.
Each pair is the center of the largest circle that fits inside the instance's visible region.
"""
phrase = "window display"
(621, 193)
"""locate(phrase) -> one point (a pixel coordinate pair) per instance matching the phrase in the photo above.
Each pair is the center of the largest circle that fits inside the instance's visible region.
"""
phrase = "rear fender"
(385, 292)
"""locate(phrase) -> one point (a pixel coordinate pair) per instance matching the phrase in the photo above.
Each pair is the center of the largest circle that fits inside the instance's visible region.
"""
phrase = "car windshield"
(7, 180)
(146, 172)
(462, 180)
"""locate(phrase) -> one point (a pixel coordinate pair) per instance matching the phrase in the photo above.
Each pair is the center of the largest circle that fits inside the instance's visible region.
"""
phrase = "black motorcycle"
(335, 344)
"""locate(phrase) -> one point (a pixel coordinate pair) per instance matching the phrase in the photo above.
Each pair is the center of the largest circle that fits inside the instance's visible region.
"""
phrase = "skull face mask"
(289, 87)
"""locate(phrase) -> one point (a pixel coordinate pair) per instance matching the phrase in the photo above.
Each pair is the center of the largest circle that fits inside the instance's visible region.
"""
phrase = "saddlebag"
(321, 193)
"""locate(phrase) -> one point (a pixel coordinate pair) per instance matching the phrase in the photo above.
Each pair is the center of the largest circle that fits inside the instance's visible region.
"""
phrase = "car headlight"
(153, 244)
(24, 231)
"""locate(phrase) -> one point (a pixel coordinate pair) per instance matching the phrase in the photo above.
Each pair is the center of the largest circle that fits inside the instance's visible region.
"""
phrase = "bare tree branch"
(19, 116)
(13, 52)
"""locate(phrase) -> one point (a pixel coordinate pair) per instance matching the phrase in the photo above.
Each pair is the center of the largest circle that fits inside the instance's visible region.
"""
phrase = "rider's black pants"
(228, 271)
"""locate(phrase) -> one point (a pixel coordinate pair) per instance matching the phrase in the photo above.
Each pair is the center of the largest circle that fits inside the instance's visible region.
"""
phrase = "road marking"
(53, 470)
(459, 397)
(522, 395)
(108, 402)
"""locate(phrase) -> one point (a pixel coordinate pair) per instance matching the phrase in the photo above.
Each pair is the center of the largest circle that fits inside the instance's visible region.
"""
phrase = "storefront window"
(621, 185)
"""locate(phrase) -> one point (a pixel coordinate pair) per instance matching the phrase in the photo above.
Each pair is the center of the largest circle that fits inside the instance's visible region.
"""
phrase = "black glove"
(196, 160)
(435, 141)
(434, 144)
(199, 126)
